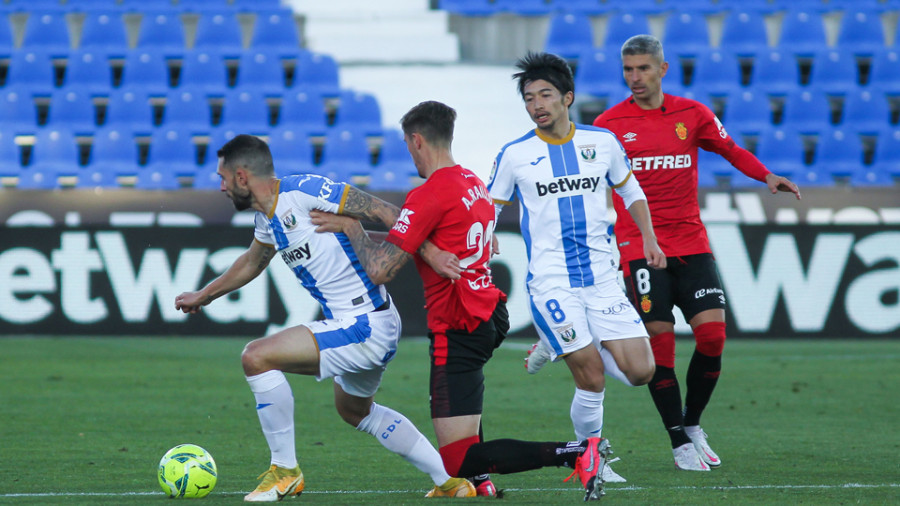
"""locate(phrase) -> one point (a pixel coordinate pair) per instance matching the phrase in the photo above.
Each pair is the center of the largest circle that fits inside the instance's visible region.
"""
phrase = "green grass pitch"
(85, 421)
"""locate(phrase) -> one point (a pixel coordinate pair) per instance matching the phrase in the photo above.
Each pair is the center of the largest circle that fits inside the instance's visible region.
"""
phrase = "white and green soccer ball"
(187, 471)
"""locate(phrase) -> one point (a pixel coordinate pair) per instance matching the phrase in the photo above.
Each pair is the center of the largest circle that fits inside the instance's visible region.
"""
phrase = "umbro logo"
(630, 137)
(538, 160)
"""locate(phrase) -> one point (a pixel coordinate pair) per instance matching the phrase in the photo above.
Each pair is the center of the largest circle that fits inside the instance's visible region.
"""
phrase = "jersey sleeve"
(502, 184)
(315, 192)
(619, 166)
(262, 232)
(419, 216)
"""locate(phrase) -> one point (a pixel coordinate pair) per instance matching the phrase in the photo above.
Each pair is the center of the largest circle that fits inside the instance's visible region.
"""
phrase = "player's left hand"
(329, 222)
(191, 302)
(781, 184)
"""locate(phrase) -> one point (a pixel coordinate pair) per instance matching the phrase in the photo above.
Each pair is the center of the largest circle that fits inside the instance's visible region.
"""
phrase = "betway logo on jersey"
(295, 255)
(661, 162)
(578, 185)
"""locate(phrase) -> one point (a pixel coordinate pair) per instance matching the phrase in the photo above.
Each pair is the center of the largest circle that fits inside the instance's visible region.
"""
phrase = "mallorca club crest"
(288, 220)
(681, 130)
(588, 152)
(566, 333)
(646, 304)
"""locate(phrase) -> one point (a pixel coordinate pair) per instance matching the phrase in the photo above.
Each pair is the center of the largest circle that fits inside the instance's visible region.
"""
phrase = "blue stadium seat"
(245, 111)
(90, 177)
(104, 32)
(130, 109)
(359, 111)
(781, 150)
(776, 72)
(887, 151)
(318, 73)
(673, 81)
(114, 153)
(395, 156)
(747, 113)
(744, 33)
(31, 178)
(48, 31)
(6, 36)
(599, 75)
(569, 34)
(55, 152)
(18, 111)
(388, 179)
(303, 110)
(866, 111)
(162, 31)
(72, 108)
(276, 32)
(711, 166)
(719, 72)
(839, 152)
(885, 72)
(206, 177)
(861, 32)
(157, 177)
(622, 26)
(89, 70)
(687, 35)
(802, 32)
(172, 152)
(834, 71)
(346, 154)
(807, 111)
(292, 152)
(867, 175)
(10, 154)
(147, 71)
(219, 31)
(261, 71)
(32, 70)
(204, 70)
(188, 108)
(467, 7)
(524, 7)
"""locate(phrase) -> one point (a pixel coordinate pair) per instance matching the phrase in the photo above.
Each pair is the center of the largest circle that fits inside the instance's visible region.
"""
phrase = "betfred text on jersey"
(661, 162)
(567, 185)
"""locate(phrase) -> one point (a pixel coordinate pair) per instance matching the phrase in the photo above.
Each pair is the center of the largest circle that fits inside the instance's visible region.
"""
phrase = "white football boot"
(686, 458)
(698, 437)
(537, 357)
(610, 476)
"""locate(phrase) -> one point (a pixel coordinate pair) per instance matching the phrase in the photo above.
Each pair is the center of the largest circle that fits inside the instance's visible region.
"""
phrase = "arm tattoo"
(363, 206)
(379, 259)
(267, 255)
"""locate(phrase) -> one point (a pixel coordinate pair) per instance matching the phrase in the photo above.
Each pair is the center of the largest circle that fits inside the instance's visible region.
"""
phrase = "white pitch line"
(629, 488)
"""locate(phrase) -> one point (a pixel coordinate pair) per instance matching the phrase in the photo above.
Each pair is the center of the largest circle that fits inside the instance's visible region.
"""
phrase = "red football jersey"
(662, 146)
(454, 211)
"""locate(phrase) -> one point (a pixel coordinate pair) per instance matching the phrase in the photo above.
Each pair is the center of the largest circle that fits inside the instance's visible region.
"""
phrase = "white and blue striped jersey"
(325, 264)
(561, 187)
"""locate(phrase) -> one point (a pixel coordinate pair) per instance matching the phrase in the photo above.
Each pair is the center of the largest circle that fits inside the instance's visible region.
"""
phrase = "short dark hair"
(249, 152)
(546, 66)
(644, 44)
(432, 120)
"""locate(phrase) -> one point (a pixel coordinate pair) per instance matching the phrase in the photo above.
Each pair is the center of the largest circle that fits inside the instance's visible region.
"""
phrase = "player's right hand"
(191, 302)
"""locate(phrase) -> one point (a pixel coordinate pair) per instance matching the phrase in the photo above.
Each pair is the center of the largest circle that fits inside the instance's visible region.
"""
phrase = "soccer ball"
(187, 471)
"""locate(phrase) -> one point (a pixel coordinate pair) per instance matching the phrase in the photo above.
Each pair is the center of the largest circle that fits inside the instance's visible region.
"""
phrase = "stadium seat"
(467, 7)
(72, 108)
(48, 31)
(744, 33)
(10, 154)
(131, 110)
(807, 111)
(261, 71)
(219, 31)
(839, 152)
(865, 176)
(711, 166)
(866, 111)
(622, 26)
(802, 32)
(885, 72)
(206, 178)
(834, 72)
(188, 108)
(55, 152)
(887, 151)
(31, 178)
(114, 153)
(89, 70)
(861, 32)
(395, 157)
(781, 150)
(276, 32)
(162, 31)
(90, 177)
(346, 154)
(18, 111)
(673, 81)
(172, 152)
(747, 113)
(6, 36)
(524, 7)
(245, 111)
(31, 70)
(303, 110)
(204, 70)
(388, 179)
(317, 73)
(775, 73)
(569, 35)
(359, 111)
(292, 152)
(718, 72)
(146, 71)
(599, 75)
(157, 177)
(104, 32)
(687, 35)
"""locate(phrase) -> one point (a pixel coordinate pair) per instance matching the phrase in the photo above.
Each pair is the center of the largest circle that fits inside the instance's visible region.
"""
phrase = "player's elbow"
(380, 277)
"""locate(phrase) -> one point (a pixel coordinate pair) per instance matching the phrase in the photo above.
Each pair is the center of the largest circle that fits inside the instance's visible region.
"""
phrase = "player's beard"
(241, 201)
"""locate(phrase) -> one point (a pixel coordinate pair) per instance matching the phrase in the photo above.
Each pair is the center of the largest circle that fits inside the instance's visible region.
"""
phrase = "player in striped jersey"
(559, 172)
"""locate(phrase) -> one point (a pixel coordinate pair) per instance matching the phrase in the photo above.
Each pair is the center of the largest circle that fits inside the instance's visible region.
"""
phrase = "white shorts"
(569, 319)
(355, 350)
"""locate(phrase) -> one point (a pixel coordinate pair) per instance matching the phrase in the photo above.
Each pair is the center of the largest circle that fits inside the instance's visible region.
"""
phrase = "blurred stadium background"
(111, 112)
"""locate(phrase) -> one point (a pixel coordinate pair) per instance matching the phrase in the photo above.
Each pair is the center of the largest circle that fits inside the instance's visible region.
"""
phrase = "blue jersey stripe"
(524, 223)
(309, 282)
(572, 218)
(371, 288)
(281, 239)
(354, 334)
(542, 324)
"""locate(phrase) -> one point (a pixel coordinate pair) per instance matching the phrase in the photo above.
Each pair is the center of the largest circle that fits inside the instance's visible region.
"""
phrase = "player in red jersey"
(661, 134)
(467, 316)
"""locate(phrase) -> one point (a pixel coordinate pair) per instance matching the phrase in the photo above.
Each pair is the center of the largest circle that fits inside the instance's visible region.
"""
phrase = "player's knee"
(252, 359)
(454, 454)
(641, 375)
(353, 415)
(663, 345)
(710, 338)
